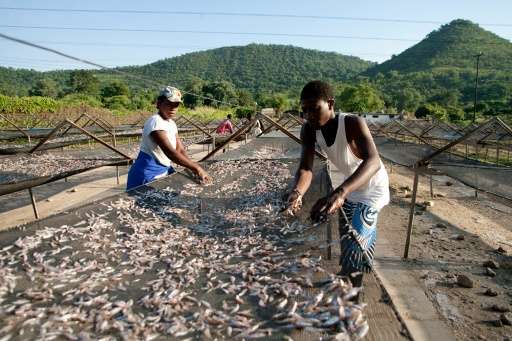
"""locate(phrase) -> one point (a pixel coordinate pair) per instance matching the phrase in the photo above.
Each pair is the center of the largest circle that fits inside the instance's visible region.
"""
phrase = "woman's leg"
(363, 219)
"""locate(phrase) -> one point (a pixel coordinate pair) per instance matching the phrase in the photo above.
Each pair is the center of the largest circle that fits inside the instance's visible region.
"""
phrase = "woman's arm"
(304, 173)
(161, 139)
(366, 151)
(180, 147)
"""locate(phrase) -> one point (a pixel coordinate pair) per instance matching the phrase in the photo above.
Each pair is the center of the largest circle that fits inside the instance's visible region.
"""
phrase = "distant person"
(225, 127)
(256, 128)
(364, 191)
(160, 144)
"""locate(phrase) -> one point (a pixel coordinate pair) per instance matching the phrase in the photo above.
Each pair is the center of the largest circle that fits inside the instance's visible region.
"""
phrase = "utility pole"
(476, 84)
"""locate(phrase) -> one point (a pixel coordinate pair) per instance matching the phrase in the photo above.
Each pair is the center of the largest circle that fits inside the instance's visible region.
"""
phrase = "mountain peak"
(453, 45)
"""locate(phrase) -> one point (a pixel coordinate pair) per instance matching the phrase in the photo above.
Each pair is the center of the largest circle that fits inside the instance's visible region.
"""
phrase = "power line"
(240, 14)
(65, 55)
(22, 59)
(270, 34)
(72, 43)
(124, 44)
(18, 59)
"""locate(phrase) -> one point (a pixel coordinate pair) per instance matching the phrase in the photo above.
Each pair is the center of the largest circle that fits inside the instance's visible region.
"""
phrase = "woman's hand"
(327, 205)
(203, 176)
(293, 202)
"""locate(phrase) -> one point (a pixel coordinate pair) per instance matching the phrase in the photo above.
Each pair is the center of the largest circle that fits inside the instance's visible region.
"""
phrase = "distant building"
(268, 111)
(379, 118)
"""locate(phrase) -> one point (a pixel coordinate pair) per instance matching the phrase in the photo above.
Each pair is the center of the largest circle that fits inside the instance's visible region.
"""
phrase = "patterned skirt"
(364, 222)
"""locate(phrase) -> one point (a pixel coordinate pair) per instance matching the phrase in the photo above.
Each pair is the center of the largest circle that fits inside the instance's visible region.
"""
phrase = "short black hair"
(317, 89)
(229, 116)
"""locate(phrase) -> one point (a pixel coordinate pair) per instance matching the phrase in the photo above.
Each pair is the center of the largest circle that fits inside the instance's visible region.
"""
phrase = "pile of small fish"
(212, 262)
(24, 166)
(27, 166)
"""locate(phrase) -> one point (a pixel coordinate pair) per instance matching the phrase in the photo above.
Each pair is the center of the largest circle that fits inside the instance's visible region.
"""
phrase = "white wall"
(379, 118)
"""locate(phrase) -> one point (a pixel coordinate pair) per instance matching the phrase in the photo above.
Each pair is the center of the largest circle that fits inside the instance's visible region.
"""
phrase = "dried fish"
(152, 265)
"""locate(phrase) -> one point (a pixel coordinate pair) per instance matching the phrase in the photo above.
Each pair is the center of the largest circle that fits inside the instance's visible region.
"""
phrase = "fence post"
(33, 200)
(411, 211)
(431, 186)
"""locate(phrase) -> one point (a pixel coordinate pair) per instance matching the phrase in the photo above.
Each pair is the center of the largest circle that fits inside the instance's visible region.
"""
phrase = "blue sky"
(113, 48)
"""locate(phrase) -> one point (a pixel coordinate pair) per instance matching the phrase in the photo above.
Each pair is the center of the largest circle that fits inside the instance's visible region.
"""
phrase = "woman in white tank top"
(348, 144)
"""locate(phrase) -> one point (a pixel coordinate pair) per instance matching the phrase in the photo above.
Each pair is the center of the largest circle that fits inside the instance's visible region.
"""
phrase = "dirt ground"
(455, 237)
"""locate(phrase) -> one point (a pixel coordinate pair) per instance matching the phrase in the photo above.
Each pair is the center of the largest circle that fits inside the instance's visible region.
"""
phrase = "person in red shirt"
(225, 127)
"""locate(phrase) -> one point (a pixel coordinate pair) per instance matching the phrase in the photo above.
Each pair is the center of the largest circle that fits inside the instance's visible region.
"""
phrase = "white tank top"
(375, 193)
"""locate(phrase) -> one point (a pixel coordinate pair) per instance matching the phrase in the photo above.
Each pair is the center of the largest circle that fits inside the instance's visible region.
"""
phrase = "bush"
(27, 105)
(121, 102)
(243, 112)
(455, 114)
(115, 88)
(81, 99)
(431, 109)
(205, 113)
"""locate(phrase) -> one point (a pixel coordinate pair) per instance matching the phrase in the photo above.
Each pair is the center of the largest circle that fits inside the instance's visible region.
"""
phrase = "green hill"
(253, 67)
(441, 70)
(454, 45)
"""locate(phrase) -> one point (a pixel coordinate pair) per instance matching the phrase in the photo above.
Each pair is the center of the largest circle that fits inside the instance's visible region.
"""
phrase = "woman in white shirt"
(160, 144)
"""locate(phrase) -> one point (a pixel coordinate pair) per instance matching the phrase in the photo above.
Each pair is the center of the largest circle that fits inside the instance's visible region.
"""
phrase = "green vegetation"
(434, 77)
(440, 71)
(255, 68)
(205, 113)
(27, 105)
(359, 98)
(452, 46)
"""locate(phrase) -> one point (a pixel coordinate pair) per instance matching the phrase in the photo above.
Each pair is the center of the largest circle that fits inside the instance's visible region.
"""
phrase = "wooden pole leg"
(33, 200)
(411, 212)
(431, 186)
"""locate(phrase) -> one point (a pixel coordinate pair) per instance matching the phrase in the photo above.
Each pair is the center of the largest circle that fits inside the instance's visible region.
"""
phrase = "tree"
(142, 100)
(45, 87)
(222, 91)
(121, 102)
(446, 98)
(455, 114)
(431, 109)
(245, 98)
(408, 99)
(278, 102)
(360, 98)
(193, 88)
(82, 81)
(115, 88)
(243, 112)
